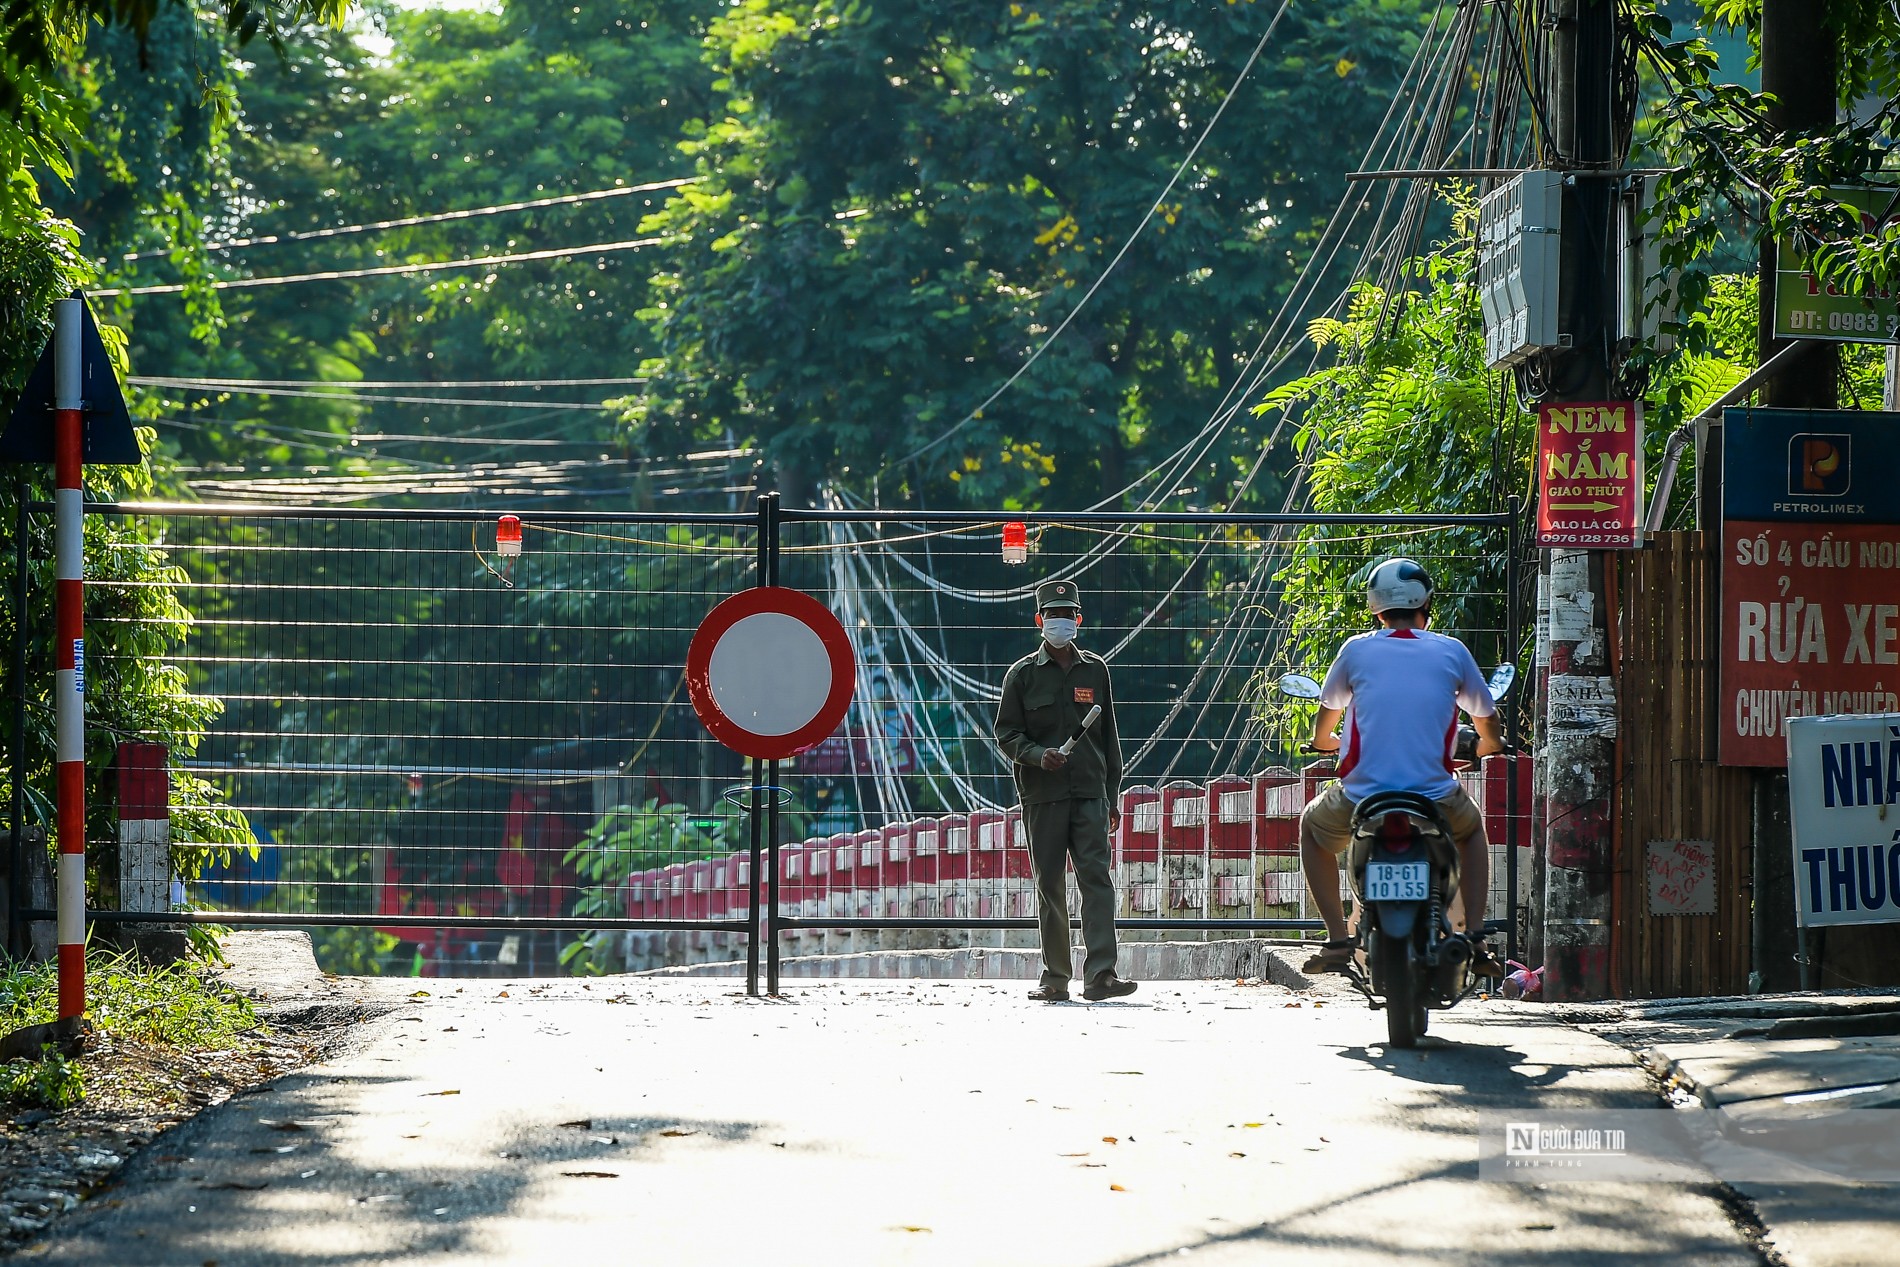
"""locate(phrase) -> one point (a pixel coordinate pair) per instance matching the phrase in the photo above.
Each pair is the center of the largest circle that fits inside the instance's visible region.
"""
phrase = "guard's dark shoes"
(1049, 994)
(1108, 987)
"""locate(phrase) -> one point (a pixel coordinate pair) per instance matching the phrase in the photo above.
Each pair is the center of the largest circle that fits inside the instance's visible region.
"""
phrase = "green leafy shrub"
(51, 1082)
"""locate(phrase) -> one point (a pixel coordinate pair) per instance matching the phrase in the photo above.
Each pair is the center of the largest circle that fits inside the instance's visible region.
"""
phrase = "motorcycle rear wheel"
(1404, 1010)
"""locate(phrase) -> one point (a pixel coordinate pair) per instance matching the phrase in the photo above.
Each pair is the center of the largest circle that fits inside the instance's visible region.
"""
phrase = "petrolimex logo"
(1820, 465)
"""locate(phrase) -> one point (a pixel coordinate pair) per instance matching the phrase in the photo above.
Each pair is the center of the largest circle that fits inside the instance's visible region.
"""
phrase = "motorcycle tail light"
(1396, 832)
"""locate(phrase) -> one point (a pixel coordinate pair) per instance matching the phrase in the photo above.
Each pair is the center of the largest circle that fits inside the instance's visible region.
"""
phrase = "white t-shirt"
(1401, 689)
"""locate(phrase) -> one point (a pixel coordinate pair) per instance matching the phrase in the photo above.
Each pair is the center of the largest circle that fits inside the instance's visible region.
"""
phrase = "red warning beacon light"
(1015, 542)
(508, 537)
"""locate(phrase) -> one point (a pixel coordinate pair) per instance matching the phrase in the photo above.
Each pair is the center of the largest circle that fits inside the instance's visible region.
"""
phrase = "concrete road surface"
(642, 1121)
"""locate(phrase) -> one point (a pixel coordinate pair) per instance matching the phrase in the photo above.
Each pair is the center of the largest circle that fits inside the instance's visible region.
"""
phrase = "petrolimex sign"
(1810, 573)
(1844, 790)
(1590, 475)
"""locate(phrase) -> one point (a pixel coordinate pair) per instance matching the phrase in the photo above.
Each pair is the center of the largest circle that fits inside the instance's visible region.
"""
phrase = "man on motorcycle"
(1399, 689)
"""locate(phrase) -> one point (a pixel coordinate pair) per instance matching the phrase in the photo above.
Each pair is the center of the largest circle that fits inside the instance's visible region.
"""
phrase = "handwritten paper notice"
(1682, 877)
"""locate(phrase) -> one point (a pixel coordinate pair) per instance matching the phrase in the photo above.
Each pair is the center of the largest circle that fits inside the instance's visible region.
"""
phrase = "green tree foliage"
(899, 200)
(1716, 136)
(48, 103)
(468, 109)
(1406, 419)
(135, 620)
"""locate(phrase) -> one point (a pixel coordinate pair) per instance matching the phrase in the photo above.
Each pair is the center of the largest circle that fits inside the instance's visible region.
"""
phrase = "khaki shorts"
(1327, 819)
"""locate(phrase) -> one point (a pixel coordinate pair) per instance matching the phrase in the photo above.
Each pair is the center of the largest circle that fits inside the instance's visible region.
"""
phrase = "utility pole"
(1800, 55)
(1579, 771)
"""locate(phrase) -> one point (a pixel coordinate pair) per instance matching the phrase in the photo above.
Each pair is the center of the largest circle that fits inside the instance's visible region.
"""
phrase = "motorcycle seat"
(1379, 804)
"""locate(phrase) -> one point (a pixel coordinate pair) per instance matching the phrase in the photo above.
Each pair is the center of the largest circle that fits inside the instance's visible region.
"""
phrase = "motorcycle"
(1403, 868)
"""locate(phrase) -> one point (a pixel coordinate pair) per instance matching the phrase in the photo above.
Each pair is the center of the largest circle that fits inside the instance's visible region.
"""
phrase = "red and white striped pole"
(69, 707)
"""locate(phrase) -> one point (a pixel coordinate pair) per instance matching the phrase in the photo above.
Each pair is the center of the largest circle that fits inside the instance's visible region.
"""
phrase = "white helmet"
(1398, 585)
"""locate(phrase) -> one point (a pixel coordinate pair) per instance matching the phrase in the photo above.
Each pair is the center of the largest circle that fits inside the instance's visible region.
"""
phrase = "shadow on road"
(289, 1176)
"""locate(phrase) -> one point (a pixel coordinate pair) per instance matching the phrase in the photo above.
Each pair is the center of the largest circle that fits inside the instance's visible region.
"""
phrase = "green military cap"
(1057, 594)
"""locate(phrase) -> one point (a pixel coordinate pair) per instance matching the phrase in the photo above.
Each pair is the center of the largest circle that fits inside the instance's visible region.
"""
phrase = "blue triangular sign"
(109, 438)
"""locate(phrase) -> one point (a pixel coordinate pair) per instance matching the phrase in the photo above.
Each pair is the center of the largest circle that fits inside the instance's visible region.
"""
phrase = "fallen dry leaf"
(1251, 1125)
(502, 995)
(677, 1134)
(1134, 1073)
(580, 1124)
(1110, 1139)
(1236, 1154)
(1071, 1154)
(907, 1228)
(418, 994)
(456, 1092)
(590, 1174)
(1115, 1187)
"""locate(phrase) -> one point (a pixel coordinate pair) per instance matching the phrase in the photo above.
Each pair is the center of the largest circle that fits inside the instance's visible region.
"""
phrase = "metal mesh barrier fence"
(420, 730)
(909, 812)
(453, 760)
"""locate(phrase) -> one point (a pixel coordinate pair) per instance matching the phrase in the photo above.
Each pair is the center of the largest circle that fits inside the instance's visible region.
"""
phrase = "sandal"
(1483, 962)
(1334, 956)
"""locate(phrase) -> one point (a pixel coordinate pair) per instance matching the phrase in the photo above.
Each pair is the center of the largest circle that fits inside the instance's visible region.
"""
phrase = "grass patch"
(171, 1005)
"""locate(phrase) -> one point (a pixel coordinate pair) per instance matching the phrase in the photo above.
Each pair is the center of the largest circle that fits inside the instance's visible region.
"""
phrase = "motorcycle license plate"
(1397, 882)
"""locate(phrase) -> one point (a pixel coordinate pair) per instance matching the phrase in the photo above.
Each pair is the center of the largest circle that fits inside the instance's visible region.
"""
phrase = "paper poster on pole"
(1590, 475)
(1844, 802)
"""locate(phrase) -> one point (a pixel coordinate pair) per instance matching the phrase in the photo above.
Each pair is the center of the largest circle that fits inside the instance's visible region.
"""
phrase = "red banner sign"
(1590, 475)
(1811, 623)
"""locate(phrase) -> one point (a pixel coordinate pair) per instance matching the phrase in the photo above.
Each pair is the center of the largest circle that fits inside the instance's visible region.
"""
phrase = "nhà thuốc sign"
(1810, 573)
(1590, 475)
(1843, 787)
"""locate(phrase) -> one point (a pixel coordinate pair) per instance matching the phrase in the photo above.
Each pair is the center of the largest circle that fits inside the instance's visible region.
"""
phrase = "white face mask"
(1059, 630)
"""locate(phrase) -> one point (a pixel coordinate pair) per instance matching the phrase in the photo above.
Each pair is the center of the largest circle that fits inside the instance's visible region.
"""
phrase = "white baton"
(1087, 721)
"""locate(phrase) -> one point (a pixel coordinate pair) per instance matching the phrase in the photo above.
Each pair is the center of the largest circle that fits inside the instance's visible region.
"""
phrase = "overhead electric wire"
(162, 380)
(1429, 50)
(437, 217)
(389, 270)
(1089, 294)
(1288, 317)
(469, 402)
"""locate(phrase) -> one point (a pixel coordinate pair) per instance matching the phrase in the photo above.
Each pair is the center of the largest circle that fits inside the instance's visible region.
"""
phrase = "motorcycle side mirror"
(1501, 679)
(1299, 686)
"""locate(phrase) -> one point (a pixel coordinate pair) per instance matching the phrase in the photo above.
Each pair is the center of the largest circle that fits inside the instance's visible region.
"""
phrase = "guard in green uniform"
(1069, 801)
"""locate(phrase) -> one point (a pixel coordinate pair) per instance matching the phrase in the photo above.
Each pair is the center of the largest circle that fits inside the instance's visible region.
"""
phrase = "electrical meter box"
(1519, 226)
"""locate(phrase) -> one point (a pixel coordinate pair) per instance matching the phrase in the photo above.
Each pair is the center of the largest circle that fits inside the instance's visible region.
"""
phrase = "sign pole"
(69, 535)
(755, 871)
(771, 778)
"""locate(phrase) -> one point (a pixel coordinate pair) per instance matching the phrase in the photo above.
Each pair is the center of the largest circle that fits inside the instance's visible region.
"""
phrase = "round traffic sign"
(770, 672)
